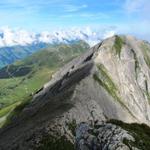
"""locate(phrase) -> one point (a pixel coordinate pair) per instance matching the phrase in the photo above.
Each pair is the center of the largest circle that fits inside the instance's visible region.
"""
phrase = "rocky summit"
(80, 107)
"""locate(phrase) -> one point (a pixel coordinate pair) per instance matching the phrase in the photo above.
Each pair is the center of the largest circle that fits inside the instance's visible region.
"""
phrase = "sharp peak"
(124, 37)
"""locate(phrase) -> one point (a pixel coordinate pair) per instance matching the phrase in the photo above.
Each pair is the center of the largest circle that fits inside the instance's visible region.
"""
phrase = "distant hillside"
(10, 54)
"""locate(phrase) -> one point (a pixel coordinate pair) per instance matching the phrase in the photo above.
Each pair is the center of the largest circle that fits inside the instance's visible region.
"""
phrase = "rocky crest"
(110, 81)
(103, 136)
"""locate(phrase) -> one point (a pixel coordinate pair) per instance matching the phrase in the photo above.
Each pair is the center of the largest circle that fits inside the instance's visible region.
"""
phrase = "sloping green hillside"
(10, 54)
(23, 78)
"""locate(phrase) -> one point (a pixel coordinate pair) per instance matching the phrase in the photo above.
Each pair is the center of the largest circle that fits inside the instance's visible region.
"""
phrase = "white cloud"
(11, 37)
(14, 37)
(74, 8)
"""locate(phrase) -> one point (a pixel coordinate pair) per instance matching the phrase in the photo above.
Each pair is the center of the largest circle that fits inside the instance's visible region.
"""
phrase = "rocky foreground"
(109, 136)
(104, 136)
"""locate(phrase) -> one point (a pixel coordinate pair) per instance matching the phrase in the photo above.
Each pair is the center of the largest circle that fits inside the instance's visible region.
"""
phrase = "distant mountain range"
(10, 37)
(18, 44)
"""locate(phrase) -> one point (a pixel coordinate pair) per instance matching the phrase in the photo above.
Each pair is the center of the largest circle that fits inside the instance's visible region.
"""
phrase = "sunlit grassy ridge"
(16, 86)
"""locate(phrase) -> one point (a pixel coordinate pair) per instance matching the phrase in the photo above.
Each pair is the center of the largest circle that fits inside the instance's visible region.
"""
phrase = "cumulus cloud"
(12, 37)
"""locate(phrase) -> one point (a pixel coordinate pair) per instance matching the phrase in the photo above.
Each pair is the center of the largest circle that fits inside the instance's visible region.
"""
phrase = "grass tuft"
(105, 81)
(17, 110)
(118, 45)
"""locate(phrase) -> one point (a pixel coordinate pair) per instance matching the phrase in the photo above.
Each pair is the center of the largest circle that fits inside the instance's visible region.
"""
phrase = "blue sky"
(125, 16)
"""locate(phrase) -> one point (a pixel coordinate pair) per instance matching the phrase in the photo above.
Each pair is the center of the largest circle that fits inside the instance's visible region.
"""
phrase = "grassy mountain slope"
(23, 78)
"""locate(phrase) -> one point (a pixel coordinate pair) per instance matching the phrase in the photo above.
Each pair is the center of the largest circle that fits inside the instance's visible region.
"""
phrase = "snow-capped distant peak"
(9, 37)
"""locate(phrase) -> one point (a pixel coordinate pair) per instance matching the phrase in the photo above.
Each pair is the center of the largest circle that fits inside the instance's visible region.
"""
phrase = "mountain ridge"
(110, 81)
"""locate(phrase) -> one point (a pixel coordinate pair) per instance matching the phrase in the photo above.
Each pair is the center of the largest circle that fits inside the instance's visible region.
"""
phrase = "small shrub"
(140, 132)
(72, 126)
(52, 143)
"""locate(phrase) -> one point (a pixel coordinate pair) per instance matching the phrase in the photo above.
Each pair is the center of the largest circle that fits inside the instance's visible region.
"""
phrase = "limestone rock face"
(103, 136)
(110, 81)
(127, 65)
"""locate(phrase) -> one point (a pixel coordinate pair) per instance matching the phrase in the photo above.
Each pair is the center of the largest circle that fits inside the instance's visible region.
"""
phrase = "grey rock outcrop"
(105, 136)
